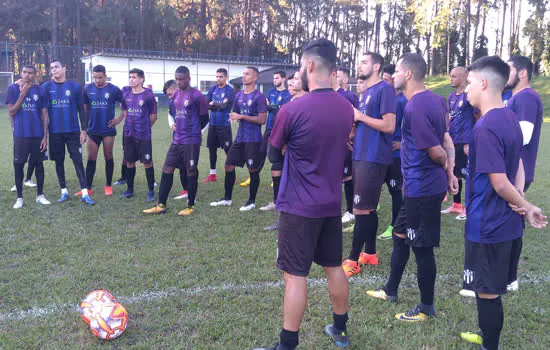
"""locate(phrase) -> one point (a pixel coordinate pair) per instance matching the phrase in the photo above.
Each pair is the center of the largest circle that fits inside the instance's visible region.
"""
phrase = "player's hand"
(395, 145)
(453, 184)
(520, 210)
(173, 127)
(283, 150)
(43, 144)
(83, 136)
(113, 122)
(357, 115)
(19, 82)
(466, 149)
(350, 145)
(233, 117)
(535, 218)
(25, 88)
(225, 100)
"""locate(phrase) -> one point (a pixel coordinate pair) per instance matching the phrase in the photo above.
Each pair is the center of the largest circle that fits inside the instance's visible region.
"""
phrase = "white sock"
(212, 171)
(64, 191)
(84, 192)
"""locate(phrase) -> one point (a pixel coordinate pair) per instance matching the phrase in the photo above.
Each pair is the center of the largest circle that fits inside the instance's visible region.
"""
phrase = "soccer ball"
(92, 302)
(110, 321)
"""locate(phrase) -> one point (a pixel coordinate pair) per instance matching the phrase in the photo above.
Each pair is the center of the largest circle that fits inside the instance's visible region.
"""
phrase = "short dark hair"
(415, 63)
(138, 72)
(521, 63)
(254, 69)
(57, 60)
(28, 66)
(495, 65)
(376, 59)
(325, 50)
(281, 73)
(182, 70)
(99, 69)
(222, 70)
(344, 70)
(168, 85)
(389, 68)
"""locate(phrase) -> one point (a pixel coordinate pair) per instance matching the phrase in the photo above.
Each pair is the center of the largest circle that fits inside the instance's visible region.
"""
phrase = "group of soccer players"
(319, 136)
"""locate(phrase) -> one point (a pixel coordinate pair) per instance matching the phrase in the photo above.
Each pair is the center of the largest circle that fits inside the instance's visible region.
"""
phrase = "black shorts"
(394, 176)
(135, 149)
(58, 142)
(278, 166)
(262, 154)
(28, 148)
(183, 157)
(486, 266)
(348, 165)
(420, 219)
(305, 240)
(461, 161)
(219, 137)
(98, 139)
(368, 179)
(242, 153)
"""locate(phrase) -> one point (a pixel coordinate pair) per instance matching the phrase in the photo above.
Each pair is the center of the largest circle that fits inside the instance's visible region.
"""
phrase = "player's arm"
(152, 119)
(438, 155)
(13, 108)
(449, 148)
(278, 139)
(203, 111)
(385, 125)
(259, 119)
(519, 182)
(44, 143)
(153, 108)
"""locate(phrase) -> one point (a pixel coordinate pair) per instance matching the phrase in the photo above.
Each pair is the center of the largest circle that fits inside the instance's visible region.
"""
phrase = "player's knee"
(229, 168)
(193, 173)
(487, 296)
(168, 170)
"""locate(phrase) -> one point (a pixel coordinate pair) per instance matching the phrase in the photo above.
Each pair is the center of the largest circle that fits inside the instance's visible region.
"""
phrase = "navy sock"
(371, 229)
(150, 175)
(399, 258)
(491, 318)
(348, 190)
(39, 173)
(254, 185)
(166, 182)
(19, 170)
(183, 179)
(109, 170)
(457, 198)
(396, 203)
(90, 173)
(289, 339)
(130, 176)
(276, 185)
(192, 183)
(340, 321)
(229, 182)
(361, 222)
(426, 272)
(213, 152)
(60, 171)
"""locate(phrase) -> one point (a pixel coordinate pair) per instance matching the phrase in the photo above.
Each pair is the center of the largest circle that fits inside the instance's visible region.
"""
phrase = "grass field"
(209, 281)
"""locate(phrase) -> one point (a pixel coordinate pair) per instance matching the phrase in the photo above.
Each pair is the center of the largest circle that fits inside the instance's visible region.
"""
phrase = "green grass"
(53, 256)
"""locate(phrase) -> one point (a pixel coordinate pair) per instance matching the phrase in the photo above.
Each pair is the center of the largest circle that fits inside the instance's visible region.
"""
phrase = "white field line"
(408, 281)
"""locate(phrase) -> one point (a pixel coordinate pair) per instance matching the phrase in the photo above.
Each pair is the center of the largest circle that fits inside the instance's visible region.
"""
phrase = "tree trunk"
(478, 12)
(467, 46)
(378, 20)
(504, 5)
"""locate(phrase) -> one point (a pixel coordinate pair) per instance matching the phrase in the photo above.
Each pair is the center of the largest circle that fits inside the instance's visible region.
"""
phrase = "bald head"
(458, 77)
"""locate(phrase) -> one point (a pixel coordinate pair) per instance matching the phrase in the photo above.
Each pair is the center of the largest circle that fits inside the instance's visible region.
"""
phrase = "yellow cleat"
(159, 209)
(187, 211)
(381, 294)
(413, 315)
(474, 338)
(246, 182)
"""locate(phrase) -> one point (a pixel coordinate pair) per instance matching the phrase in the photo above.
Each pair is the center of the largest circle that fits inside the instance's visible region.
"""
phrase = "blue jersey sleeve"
(12, 95)
(236, 107)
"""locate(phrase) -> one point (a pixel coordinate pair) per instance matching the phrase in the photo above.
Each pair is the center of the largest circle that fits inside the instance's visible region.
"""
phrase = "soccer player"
(220, 99)
(314, 129)
(372, 154)
(29, 122)
(276, 98)
(100, 99)
(461, 124)
(63, 102)
(527, 105)
(190, 110)
(495, 182)
(140, 110)
(249, 109)
(394, 176)
(342, 78)
(427, 158)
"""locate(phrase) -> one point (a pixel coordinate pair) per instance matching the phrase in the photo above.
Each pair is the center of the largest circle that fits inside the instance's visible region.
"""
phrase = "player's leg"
(191, 155)
(254, 163)
(167, 179)
(131, 156)
(21, 150)
(123, 168)
(108, 145)
(276, 171)
(28, 179)
(92, 145)
(36, 160)
(347, 181)
(213, 143)
(394, 182)
(57, 154)
(235, 157)
(75, 151)
(146, 158)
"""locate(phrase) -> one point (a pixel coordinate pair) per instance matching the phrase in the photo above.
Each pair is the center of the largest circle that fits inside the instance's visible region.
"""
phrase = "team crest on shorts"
(393, 183)
(250, 161)
(80, 150)
(140, 103)
(280, 98)
(191, 162)
(226, 143)
(147, 156)
(505, 102)
(346, 170)
(411, 234)
(35, 97)
(107, 95)
(468, 276)
(356, 199)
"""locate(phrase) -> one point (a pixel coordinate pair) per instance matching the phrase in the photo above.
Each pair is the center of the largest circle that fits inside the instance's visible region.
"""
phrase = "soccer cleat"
(455, 208)
(246, 182)
(29, 183)
(513, 287)
(470, 337)
(210, 178)
(462, 215)
(150, 196)
(64, 197)
(273, 227)
(127, 194)
(413, 315)
(368, 259)
(271, 184)
(42, 200)
(347, 217)
(467, 293)
(18, 203)
(380, 293)
(13, 189)
(351, 267)
(276, 347)
(349, 229)
(121, 181)
(183, 194)
(269, 206)
(221, 203)
(108, 190)
(187, 211)
(79, 193)
(88, 200)
(386, 234)
(248, 206)
(159, 209)
(340, 337)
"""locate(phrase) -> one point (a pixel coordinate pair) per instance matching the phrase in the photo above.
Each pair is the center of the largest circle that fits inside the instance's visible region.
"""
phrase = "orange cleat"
(210, 178)
(455, 208)
(79, 193)
(351, 267)
(368, 259)
(108, 190)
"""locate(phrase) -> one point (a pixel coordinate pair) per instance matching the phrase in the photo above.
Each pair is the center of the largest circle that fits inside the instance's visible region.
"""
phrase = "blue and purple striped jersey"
(251, 104)
(276, 99)
(401, 102)
(101, 104)
(218, 95)
(139, 108)
(27, 122)
(461, 118)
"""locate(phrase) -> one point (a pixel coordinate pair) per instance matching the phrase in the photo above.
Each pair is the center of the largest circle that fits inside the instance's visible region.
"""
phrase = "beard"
(364, 76)
(305, 82)
(513, 84)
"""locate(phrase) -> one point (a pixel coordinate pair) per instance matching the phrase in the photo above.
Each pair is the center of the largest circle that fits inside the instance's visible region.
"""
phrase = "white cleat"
(248, 206)
(42, 200)
(29, 183)
(182, 196)
(467, 293)
(513, 287)
(221, 203)
(13, 189)
(18, 203)
(269, 206)
(347, 217)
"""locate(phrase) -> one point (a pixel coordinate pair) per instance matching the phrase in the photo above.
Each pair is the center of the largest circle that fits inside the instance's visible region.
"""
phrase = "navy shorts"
(28, 148)
(242, 153)
(368, 179)
(394, 176)
(135, 149)
(461, 161)
(348, 164)
(98, 139)
(184, 157)
(58, 143)
(219, 137)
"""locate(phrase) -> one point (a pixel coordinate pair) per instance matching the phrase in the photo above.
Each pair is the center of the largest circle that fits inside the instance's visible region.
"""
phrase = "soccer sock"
(193, 183)
(39, 173)
(166, 182)
(457, 198)
(517, 245)
(212, 171)
(30, 170)
(213, 158)
(229, 182)
(90, 173)
(340, 321)
(361, 223)
(399, 258)
(130, 176)
(109, 170)
(19, 170)
(370, 232)
(289, 339)
(183, 179)
(276, 185)
(491, 318)
(80, 173)
(123, 171)
(426, 271)
(396, 202)
(254, 185)
(60, 171)
(348, 190)
(150, 175)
